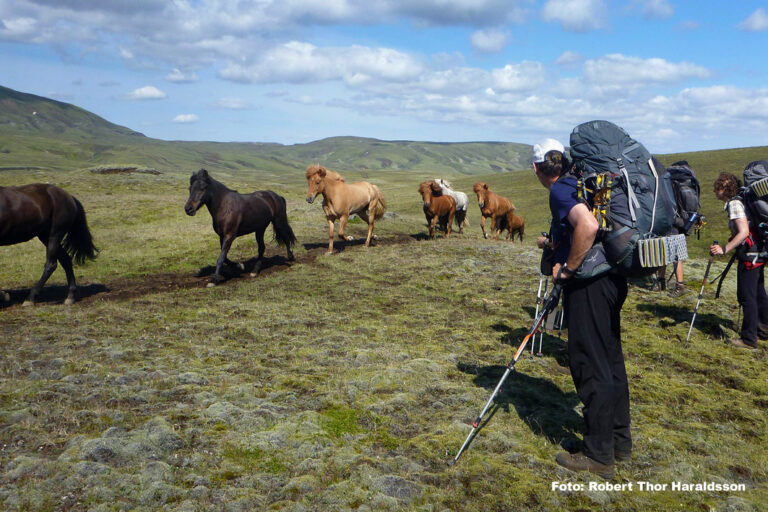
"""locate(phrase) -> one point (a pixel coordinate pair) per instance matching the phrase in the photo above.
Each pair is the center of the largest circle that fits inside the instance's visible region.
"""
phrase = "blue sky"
(679, 76)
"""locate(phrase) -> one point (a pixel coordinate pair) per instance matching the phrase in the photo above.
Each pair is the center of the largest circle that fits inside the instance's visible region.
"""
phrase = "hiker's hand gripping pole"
(549, 304)
(701, 292)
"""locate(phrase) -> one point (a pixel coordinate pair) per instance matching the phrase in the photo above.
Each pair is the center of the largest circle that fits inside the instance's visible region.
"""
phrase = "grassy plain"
(345, 382)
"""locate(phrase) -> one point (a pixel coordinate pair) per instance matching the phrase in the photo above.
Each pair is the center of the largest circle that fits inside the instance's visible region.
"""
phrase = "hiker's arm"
(738, 238)
(584, 231)
(585, 228)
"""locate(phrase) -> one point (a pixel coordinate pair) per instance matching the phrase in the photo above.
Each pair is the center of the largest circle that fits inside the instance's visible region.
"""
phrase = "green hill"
(38, 131)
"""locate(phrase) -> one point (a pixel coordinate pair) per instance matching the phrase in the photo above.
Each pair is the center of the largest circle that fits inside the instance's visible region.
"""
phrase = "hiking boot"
(762, 331)
(620, 456)
(736, 342)
(580, 462)
(680, 289)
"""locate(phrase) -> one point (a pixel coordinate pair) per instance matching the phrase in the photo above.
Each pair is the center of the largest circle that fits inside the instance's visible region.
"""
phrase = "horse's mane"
(314, 168)
(445, 183)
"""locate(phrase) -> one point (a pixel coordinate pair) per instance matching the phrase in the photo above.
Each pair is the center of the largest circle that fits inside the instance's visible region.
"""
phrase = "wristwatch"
(567, 271)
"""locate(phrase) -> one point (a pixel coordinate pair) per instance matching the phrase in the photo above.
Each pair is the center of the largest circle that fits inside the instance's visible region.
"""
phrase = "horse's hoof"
(485, 236)
(210, 285)
(28, 303)
(69, 301)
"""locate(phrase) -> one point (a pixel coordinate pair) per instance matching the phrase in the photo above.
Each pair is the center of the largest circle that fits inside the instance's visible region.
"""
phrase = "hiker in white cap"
(592, 313)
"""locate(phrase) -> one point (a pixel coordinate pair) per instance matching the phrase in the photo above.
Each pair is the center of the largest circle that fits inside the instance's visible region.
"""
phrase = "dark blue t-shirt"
(563, 196)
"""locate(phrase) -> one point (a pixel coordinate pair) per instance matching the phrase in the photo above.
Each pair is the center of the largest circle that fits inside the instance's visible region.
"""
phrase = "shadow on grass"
(249, 266)
(707, 323)
(543, 406)
(338, 244)
(550, 345)
(51, 294)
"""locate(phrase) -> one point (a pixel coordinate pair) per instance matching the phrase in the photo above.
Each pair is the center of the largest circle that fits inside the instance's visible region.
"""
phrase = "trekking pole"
(543, 326)
(549, 304)
(703, 284)
(538, 302)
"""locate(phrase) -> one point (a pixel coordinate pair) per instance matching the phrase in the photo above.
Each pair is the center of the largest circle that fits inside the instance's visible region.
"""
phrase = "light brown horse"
(492, 205)
(340, 200)
(514, 226)
(437, 207)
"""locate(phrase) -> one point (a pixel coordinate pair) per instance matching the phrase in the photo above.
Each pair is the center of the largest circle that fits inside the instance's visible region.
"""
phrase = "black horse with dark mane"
(57, 219)
(236, 214)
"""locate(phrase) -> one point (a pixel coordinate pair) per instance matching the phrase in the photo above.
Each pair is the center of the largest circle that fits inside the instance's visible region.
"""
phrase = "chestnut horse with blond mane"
(437, 206)
(340, 200)
(493, 205)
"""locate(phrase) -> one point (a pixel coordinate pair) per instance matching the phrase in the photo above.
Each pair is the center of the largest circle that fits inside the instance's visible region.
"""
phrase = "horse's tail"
(283, 232)
(78, 241)
(381, 204)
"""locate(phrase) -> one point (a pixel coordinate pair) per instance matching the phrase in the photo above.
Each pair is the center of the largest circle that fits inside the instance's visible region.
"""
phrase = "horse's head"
(198, 191)
(481, 189)
(316, 180)
(426, 191)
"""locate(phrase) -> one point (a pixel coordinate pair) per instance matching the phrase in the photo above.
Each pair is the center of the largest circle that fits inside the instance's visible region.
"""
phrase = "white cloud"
(146, 93)
(569, 59)
(298, 62)
(655, 9)
(688, 25)
(232, 104)
(525, 76)
(623, 70)
(126, 54)
(489, 41)
(186, 118)
(756, 22)
(576, 15)
(178, 76)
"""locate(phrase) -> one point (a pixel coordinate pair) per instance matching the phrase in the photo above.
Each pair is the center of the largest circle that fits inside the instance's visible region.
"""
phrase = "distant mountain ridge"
(24, 112)
(38, 131)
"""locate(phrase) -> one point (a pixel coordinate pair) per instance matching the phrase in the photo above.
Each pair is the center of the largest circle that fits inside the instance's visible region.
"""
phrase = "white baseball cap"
(541, 149)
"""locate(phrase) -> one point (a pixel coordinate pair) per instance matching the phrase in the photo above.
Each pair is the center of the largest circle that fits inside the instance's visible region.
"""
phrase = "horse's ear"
(321, 172)
(485, 186)
(436, 190)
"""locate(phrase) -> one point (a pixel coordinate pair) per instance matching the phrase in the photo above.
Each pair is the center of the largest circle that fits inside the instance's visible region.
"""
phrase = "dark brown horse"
(57, 219)
(236, 214)
(437, 207)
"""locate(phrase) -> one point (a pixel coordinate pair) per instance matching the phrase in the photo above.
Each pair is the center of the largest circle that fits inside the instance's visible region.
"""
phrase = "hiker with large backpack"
(748, 239)
(592, 314)
(687, 193)
(615, 208)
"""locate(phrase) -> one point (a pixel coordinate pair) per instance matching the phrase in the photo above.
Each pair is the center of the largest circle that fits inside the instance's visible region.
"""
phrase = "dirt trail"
(129, 288)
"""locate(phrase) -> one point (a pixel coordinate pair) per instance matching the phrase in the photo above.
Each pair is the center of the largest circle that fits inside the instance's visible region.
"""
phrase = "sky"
(677, 75)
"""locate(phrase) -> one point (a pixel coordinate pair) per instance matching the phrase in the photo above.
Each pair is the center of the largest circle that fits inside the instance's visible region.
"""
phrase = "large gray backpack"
(632, 199)
(755, 198)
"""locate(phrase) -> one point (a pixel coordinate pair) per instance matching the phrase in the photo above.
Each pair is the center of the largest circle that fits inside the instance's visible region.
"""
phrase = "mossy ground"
(346, 382)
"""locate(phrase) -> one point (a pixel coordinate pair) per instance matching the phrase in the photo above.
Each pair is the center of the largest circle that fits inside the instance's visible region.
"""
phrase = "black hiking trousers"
(750, 291)
(593, 316)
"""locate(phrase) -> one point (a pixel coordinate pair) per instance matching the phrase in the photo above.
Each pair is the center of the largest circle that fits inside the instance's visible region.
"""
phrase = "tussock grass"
(345, 382)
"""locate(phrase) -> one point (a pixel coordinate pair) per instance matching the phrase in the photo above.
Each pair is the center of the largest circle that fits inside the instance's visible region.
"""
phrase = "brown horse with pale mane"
(437, 207)
(492, 206)
(340, 200)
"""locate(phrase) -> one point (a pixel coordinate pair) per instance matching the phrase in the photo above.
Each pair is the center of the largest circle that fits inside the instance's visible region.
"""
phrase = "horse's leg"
(227, 261)
(330, 236)
(368, 217)
(226, 243)
(450, 223)
(432, 223)
(482, 225)
(260, 241)
(52, 248)
(342, 224)
(66, 263)
(495, 231)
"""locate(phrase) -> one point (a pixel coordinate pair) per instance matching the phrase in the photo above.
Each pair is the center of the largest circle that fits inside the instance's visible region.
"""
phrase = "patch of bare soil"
(122, 289)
